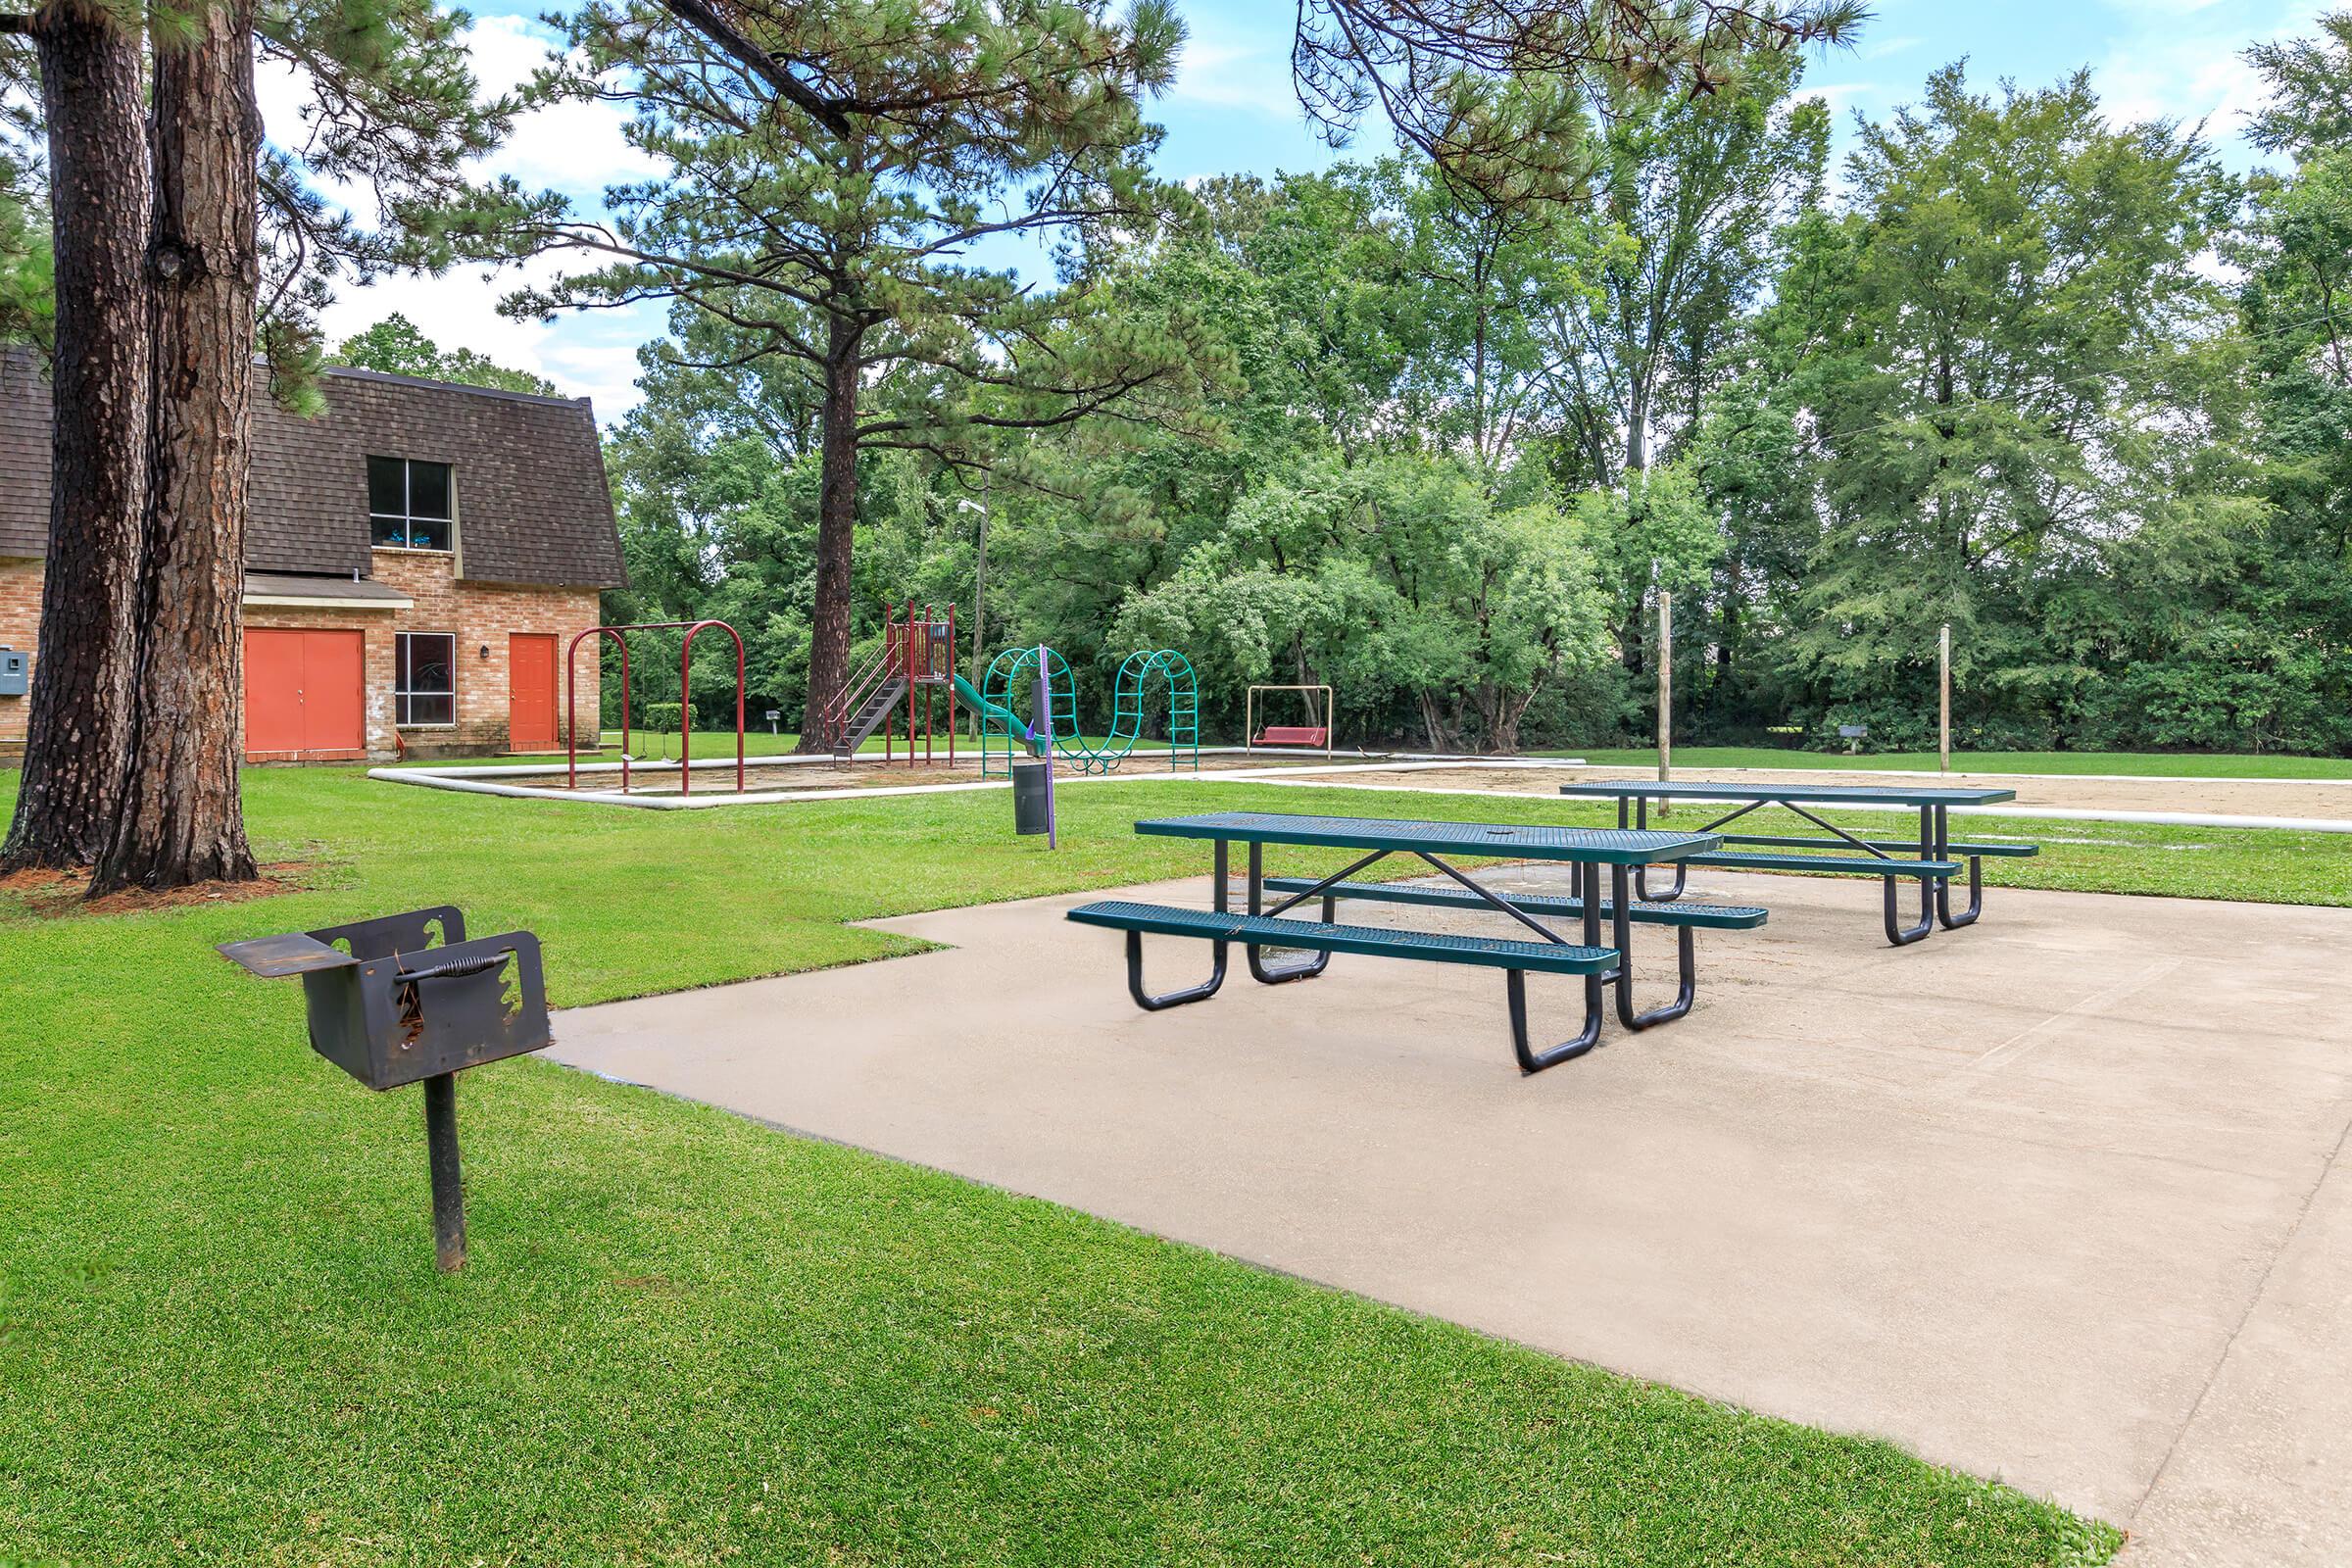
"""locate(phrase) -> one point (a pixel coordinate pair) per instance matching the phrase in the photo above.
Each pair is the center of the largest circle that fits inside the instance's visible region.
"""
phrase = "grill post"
(448, 1183)
(391, 1005)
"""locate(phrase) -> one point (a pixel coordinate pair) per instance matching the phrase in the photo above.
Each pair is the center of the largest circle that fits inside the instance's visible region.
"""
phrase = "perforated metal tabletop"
(1517, 841)
(1811, 794)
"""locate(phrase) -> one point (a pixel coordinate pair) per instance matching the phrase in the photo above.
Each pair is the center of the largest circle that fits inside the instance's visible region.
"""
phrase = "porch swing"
(1304, 737)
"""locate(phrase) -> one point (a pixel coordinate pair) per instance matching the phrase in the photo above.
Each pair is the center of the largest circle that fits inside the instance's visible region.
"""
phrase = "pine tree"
(1458, 78)
(158, 315)
(179, 819)
(833, 166)
(93, 101)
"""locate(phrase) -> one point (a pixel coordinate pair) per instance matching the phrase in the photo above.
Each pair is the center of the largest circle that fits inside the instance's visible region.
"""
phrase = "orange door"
(272, 689)
(333, 701)
(530, 692)
(303, 690)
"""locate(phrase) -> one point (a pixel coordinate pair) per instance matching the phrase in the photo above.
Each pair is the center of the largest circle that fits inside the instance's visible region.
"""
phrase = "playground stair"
(869, 716)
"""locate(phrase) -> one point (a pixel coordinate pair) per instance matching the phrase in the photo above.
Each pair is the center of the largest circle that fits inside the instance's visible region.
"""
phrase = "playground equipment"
(1056, 721)
(619, 634)
(918, 660)
(1308, 736)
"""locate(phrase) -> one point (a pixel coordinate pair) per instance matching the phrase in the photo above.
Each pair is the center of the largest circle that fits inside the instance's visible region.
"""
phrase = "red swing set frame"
(619, 635)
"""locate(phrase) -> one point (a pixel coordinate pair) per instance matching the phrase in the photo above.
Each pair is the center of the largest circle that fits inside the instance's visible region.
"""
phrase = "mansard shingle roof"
(533, 503)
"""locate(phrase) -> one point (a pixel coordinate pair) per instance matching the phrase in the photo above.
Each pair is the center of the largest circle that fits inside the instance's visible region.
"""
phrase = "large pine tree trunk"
(836, 521)
(181, 820)
(93, 102)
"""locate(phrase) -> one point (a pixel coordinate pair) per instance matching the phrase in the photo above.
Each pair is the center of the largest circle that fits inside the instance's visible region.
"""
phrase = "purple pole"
(1045, 711)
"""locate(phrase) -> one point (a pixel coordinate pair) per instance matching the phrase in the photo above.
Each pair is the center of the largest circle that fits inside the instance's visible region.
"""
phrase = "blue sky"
(1233, 110)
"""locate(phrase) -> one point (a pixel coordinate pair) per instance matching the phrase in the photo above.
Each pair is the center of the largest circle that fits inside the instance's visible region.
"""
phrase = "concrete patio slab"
(2059, 1199)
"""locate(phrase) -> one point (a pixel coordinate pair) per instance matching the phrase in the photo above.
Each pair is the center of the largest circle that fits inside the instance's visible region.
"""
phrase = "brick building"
(417, 560)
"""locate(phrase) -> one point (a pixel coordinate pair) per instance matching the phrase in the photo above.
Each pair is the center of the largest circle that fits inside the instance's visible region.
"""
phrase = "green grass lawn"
(688, 1339)
(2174, 764)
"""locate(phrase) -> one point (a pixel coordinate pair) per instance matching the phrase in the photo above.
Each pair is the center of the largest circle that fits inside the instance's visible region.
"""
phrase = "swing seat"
(1293, 735)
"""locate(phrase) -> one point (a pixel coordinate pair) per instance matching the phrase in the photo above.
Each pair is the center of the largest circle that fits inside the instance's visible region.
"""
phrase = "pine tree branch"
(739, 47)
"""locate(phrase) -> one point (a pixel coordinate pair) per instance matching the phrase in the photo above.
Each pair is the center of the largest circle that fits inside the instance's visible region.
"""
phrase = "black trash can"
(1031, 797)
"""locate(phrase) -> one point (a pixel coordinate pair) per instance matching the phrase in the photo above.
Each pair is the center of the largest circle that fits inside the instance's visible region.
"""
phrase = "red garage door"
(303, 691)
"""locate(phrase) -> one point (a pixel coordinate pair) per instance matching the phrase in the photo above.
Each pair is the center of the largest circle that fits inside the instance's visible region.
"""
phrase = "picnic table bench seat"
(1863, 865)
(1513, 957)
(1259, 930)
(1703, 917)
(1955, 849)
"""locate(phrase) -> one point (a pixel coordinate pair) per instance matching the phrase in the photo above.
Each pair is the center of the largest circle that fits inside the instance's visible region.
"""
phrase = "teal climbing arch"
(1010, 677)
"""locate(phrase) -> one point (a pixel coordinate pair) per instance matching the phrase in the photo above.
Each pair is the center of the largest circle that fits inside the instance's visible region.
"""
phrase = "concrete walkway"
(2061, 1198)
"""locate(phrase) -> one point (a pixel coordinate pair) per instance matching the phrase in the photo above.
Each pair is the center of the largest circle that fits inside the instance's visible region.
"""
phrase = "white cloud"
(592, 355)
(2162, 9)
(1842, 95)
(1221, 70)
(575, 148)
(2185, 65)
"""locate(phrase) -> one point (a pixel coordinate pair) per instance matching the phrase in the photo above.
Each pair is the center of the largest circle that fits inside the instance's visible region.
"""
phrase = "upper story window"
(409, 503)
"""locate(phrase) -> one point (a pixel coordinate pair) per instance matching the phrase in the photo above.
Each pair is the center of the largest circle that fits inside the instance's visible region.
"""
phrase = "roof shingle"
(533, 503)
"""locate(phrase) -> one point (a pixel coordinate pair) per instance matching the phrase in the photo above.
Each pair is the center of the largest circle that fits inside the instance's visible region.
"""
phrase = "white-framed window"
(411, 505)
(424, 679)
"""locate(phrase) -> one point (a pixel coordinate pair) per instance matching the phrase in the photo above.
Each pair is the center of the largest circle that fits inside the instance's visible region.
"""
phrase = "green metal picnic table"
(1932, 860)
(1259, 928)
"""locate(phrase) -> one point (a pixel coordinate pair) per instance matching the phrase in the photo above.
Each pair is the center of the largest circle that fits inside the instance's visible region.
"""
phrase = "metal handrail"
(855, 691)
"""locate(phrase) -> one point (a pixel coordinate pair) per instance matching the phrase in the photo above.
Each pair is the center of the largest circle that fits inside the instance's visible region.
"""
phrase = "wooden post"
(1945, 700)
(1665, 695)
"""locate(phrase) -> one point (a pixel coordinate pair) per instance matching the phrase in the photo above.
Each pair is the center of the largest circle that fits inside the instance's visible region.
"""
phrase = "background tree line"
(828, 171)
(1440, 442)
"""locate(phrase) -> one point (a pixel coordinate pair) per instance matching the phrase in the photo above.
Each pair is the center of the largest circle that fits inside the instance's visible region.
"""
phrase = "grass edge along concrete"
(685, 1332)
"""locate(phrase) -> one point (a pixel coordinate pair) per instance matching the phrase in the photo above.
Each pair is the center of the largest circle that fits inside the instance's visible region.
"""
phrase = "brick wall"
(479, 614)
(20, 624)
(482, 614)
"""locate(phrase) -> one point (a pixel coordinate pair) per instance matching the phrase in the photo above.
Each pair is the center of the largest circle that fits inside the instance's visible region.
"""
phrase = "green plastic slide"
(988, 709)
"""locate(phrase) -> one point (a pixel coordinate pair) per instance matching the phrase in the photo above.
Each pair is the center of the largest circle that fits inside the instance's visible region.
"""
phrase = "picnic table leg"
(1259, 970)
(1682, 868)
(1944, 885)
(1898, 934)
(1515, 989)
(1144, 998)
(1686, 960)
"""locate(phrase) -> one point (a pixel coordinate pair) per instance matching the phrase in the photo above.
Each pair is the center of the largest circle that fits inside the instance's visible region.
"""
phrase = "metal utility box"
(390, 1005)
(16, 673)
